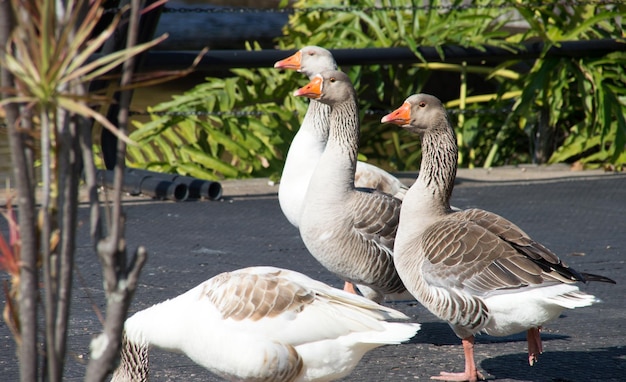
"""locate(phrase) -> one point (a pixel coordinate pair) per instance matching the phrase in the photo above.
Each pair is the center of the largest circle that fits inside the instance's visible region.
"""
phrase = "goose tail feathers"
(575, 299)
(393, 333)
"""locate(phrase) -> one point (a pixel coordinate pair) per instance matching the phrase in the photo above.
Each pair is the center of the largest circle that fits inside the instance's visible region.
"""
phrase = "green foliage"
(581, 101)
(597, 134)
(198, 134)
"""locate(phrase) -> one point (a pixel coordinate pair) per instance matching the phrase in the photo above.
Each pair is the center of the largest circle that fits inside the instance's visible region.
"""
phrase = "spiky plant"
(51, 57)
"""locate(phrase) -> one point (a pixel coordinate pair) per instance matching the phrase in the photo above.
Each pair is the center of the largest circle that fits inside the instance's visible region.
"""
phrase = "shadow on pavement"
(601, 364)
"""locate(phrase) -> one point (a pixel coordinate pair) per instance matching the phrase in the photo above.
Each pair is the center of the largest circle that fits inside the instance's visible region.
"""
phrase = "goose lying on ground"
(472, 268)
(263, 324)
(349, 231)
(309, 142)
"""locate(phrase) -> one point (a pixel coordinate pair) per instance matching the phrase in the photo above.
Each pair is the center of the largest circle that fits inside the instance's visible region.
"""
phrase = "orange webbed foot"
(471, 373)
(465, 376)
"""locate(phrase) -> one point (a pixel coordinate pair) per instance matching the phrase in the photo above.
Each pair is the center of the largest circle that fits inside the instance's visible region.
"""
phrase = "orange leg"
(533, 336)
(349, 287)
(470, 373)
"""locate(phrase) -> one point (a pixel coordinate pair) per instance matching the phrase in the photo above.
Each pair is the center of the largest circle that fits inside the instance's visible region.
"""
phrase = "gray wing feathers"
(376, 216)
(469, 256)
(375, 221)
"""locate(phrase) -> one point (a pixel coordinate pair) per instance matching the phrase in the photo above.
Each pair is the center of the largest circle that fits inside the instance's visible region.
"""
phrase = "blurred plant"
(496, 128)
(232, 127)
(45, 69)
(572, 108)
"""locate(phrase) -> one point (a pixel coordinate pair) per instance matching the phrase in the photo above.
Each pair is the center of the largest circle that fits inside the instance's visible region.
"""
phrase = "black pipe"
(458, 54)
(198, 188)
(225, 59)
(145, 184)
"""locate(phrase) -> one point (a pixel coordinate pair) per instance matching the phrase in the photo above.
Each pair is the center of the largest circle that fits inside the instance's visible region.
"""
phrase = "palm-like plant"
(49, 55)
(50, 58)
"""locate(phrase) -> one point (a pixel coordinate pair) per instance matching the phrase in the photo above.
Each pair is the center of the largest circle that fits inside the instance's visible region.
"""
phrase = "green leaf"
(210, 162)
(192, 169)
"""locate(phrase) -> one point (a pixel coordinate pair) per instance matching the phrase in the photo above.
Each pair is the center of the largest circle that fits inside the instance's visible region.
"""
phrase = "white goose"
(472, 268)
(262, 324)
(349, 231)
(308, 144)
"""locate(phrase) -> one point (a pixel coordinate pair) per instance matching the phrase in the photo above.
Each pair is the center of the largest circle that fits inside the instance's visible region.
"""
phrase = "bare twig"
(120, 279)
(49, 258)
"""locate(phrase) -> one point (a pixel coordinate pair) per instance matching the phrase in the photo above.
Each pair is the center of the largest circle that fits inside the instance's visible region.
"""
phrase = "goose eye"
(332, 79)
(422, 104)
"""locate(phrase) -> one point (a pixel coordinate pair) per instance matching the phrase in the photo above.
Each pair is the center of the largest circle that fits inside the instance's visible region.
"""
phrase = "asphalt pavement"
(579, 215)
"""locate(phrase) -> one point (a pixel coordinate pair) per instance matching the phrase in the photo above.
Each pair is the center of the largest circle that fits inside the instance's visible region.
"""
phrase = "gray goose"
(473, 268)
(262, 324)
(349, 231)
(308, 144)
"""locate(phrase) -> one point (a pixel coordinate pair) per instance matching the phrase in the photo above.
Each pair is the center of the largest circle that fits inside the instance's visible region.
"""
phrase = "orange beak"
(311, 90)
(400, 116)
(291, 62)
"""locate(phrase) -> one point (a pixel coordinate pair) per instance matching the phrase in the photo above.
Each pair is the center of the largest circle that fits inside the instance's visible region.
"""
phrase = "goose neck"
(316, 120)
(344, 130)
(134, 362)
(439, 162)
(335, 171)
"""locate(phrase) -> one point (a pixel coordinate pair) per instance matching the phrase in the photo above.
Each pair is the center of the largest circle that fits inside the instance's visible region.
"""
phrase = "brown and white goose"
(309, 142)
(472, 268)
(348, 230)
(262, 324)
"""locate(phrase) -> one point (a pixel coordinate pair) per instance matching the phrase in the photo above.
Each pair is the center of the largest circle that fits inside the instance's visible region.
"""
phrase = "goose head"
(419, 114)
(329, 87)
(425, 115)
(309, 60)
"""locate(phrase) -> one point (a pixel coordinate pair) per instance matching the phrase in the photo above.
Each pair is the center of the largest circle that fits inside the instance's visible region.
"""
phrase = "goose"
(349, 231)
(309, 142)
(472, 268)
(262, 324)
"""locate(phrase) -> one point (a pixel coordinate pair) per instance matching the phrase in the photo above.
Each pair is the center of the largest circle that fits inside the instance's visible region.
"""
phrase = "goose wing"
(552, 266)
(462, 255)
(372, 177)
(245, 295)
(291, 307)
(483, 252)
(376, 216)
